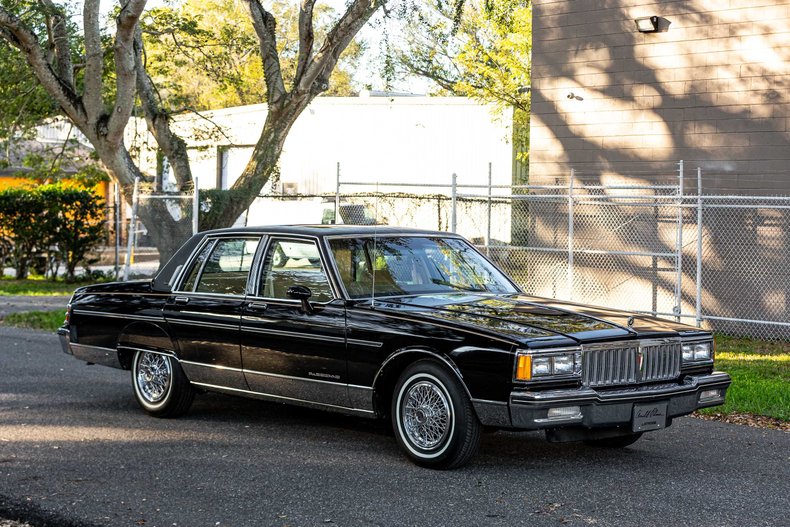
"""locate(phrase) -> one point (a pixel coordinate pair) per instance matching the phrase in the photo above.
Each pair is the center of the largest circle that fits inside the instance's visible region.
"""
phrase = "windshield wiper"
(454, 285)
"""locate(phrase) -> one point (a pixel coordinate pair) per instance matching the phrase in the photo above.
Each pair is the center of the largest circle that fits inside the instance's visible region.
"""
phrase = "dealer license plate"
(649, 417)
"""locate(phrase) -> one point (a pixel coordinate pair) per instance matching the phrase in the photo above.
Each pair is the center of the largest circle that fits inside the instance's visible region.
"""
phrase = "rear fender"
(143, 336)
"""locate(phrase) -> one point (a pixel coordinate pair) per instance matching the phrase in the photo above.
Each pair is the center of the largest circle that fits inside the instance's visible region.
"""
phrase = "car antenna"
(375, 243)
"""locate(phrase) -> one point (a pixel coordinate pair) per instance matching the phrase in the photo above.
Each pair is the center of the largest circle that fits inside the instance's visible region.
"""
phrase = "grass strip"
(36, 288)
(760, 372)
(41, 320)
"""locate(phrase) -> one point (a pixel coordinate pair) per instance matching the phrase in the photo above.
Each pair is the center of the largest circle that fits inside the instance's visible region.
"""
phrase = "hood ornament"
(630, 321)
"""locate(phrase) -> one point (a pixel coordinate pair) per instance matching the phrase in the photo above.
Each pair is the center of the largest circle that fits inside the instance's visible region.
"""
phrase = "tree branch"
(306, 37)
(126, 77)
(158, 121)
(56, 25)
(94, 61)
(264, 23)
(16, 33)
(316, 75)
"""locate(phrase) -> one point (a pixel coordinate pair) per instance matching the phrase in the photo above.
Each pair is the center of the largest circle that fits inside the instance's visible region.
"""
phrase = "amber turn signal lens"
(524, 368)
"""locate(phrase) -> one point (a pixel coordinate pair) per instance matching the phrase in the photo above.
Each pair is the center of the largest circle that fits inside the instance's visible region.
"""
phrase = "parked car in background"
(412, 326)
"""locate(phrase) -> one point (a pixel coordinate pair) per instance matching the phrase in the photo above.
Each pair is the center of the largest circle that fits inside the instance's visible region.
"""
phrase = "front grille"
(631, 363)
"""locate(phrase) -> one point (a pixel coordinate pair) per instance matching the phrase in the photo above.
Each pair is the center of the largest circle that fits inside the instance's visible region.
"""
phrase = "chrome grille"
(661, 361)
(631, 362)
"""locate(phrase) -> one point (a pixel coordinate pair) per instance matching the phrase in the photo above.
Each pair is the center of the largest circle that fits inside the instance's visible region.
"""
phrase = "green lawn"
(37, 288)
(43, 320)
(760, 373)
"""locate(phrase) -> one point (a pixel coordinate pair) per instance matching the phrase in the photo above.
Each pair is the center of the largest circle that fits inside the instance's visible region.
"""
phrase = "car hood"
(534, 320)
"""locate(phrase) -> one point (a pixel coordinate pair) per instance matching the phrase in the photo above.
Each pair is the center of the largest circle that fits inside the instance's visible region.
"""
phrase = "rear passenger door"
(204, 311)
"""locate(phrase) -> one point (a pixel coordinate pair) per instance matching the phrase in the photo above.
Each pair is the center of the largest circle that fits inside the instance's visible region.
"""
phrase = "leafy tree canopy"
(480, 49)
(205, 54)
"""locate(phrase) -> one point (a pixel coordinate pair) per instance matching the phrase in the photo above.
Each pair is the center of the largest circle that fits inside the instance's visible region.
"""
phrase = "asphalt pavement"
(76, 450)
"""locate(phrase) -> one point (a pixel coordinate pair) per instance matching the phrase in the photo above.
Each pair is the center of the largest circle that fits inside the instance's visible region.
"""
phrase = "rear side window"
(294, 262)
(223, 267)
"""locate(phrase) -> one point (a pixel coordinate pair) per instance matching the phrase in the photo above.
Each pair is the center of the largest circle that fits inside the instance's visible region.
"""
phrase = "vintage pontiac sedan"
(409, 325)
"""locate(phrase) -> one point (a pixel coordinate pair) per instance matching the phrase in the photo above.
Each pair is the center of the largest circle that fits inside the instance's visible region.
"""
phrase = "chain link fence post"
(454, 203)
(698, 302)
(679, 247)
(131, 234)
(195, 207)
(337, 194)
(117, 220)
(488, 224)
(570, 233)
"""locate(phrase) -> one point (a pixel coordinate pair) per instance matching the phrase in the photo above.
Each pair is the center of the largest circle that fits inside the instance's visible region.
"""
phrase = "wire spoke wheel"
(154, 377)
(426, 415)
(159, 384)
(432, 416)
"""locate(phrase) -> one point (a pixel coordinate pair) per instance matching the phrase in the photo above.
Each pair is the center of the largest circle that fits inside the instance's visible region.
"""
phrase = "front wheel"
(433, 418)
(160, 386)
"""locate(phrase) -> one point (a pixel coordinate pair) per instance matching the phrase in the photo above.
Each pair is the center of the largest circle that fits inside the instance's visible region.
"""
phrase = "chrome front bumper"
(614, 407)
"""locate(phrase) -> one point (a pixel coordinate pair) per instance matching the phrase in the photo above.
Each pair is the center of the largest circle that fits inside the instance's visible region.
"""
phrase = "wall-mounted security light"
(647, 24)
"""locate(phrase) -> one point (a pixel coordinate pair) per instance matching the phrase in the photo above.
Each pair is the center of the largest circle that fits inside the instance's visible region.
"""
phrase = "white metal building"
(389, 139)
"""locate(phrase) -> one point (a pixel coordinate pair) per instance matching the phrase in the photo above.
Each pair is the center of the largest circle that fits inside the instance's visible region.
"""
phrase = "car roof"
(328, 230)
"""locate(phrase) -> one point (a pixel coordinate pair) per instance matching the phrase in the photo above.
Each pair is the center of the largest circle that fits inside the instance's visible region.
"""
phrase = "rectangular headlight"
(529, 367)
(694, 351)
(541, 366)
(563, 364)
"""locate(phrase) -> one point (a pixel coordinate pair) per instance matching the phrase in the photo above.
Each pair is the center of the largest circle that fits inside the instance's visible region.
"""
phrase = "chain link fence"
(720, 262)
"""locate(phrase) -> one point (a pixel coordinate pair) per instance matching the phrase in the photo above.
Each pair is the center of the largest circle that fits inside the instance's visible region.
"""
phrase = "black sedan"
(409, 325)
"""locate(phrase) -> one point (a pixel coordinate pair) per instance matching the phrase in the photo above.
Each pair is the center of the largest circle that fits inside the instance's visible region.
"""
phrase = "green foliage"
(479, 49)
(43, 320)
(40, 287)
(49, 226)
(23, 101)
(66, 162)
(206, 55)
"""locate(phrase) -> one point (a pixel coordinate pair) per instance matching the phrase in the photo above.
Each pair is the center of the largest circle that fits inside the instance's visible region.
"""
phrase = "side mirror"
(303, 294)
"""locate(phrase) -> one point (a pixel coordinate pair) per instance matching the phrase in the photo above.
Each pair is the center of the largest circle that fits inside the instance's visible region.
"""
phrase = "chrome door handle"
(182, 300)
(258, 306)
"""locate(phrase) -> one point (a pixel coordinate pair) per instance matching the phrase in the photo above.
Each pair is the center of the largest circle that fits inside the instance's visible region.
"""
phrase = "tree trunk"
(262, 165)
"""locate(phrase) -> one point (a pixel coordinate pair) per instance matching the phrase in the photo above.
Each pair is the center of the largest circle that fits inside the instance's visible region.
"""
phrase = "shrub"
(50, 226)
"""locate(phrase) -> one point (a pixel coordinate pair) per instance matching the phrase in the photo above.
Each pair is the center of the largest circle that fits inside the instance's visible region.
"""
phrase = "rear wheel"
(160, 386)
(433, 418)
(614, 442)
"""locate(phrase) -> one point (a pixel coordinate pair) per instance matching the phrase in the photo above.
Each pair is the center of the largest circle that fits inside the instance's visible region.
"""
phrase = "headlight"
(544, 366)
(694, 351)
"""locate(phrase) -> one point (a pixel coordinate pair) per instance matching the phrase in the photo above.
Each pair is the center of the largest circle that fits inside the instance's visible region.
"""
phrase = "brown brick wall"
(713, 90)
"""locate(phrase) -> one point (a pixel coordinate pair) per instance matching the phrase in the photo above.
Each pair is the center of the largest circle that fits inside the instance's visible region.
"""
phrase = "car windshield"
(408, 265)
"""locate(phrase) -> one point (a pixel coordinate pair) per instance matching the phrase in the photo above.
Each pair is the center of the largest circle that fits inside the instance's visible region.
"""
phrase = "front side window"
(390, 266)
(222, 267)
(293, 262)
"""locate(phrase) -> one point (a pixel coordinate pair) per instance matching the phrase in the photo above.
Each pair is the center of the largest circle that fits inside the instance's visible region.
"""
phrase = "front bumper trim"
(614, 407)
